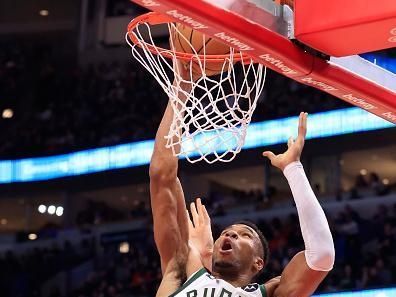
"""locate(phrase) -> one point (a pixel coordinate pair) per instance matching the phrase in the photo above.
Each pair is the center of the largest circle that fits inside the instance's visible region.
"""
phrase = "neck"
(236, 279)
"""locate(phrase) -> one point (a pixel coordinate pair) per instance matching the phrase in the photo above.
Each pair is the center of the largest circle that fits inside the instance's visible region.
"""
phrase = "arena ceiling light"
(32, 236)
(51, 209)
(8, 113)
(363, 171)
(42, 208)
(44, 12)
(124, 248)
(59, 211)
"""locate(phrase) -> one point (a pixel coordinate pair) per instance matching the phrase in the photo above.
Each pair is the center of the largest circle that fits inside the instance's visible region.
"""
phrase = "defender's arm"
(307, 269)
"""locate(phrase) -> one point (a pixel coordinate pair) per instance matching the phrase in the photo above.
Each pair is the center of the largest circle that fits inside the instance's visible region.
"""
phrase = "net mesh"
(211, 117)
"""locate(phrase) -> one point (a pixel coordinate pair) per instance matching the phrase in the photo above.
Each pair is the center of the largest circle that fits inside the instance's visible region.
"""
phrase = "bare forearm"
(163, 156)
(163, 159)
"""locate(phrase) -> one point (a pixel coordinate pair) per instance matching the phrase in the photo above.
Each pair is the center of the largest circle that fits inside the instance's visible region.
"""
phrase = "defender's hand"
(200, 233)
(295, 147)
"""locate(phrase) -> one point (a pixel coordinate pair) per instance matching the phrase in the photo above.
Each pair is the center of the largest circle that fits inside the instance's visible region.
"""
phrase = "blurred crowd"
(370, 184)
(99, 212)
(136, 273)
(116, 8)
(222, 201)
(59, 106)
(102, 212)
(22, 275)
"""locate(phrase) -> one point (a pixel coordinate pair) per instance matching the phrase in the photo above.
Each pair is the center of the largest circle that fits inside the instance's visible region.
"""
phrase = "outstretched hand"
(200, 232)
(295, 147)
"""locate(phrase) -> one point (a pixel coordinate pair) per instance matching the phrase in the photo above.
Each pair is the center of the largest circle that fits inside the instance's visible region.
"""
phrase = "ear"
(259, 263)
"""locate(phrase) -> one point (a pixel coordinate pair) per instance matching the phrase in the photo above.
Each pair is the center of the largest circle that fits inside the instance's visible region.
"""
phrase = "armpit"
(173, 278)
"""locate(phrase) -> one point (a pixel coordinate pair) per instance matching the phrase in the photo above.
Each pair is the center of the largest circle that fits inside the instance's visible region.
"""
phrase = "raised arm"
(167, 198)
(307, 269)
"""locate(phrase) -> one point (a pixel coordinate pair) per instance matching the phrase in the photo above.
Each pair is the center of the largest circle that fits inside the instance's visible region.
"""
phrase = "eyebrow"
(243, 226)
(248, 228)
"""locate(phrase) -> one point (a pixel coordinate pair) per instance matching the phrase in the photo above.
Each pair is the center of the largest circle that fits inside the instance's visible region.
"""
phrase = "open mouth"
(226, 246)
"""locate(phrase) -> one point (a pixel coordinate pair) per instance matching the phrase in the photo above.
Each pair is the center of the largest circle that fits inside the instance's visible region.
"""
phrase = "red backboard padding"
(343, 28)
(277, 52)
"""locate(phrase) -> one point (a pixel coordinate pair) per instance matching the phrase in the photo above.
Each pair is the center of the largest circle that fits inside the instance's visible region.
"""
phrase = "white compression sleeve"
(319, 246)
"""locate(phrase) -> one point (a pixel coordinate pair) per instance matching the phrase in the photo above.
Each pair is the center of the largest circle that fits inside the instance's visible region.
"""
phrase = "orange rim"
(155, 18)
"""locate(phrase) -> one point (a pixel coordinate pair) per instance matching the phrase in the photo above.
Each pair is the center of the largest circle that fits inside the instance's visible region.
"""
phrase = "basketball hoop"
(211, 123)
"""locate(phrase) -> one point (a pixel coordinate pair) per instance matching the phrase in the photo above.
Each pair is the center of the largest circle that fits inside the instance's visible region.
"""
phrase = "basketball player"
(241, 252)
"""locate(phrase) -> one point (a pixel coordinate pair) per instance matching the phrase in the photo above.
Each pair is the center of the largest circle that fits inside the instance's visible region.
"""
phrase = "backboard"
(265, 30)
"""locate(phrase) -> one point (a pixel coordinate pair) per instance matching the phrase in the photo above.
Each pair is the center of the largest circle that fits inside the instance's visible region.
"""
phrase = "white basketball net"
(211, 123)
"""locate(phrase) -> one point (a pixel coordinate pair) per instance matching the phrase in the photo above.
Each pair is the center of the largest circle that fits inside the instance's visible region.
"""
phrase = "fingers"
(306, 123)
(302, 125)
(200, 211)
(190, 224)
(206, 216)
(269, 155)
(194, 214)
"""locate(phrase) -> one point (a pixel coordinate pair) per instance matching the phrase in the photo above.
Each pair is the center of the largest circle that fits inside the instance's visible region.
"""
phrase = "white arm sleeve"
(319, 246)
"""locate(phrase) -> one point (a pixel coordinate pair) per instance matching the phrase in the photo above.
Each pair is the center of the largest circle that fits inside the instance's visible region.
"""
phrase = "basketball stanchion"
(211, 123)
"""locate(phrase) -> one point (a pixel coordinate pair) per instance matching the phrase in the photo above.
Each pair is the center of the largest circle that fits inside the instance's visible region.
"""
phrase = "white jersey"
(203, 284)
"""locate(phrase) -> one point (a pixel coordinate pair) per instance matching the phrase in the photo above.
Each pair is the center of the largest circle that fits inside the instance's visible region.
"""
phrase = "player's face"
(235, 248)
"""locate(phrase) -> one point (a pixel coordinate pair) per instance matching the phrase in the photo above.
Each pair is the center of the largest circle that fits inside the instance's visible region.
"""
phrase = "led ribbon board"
(390, 292)
(324, 124)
